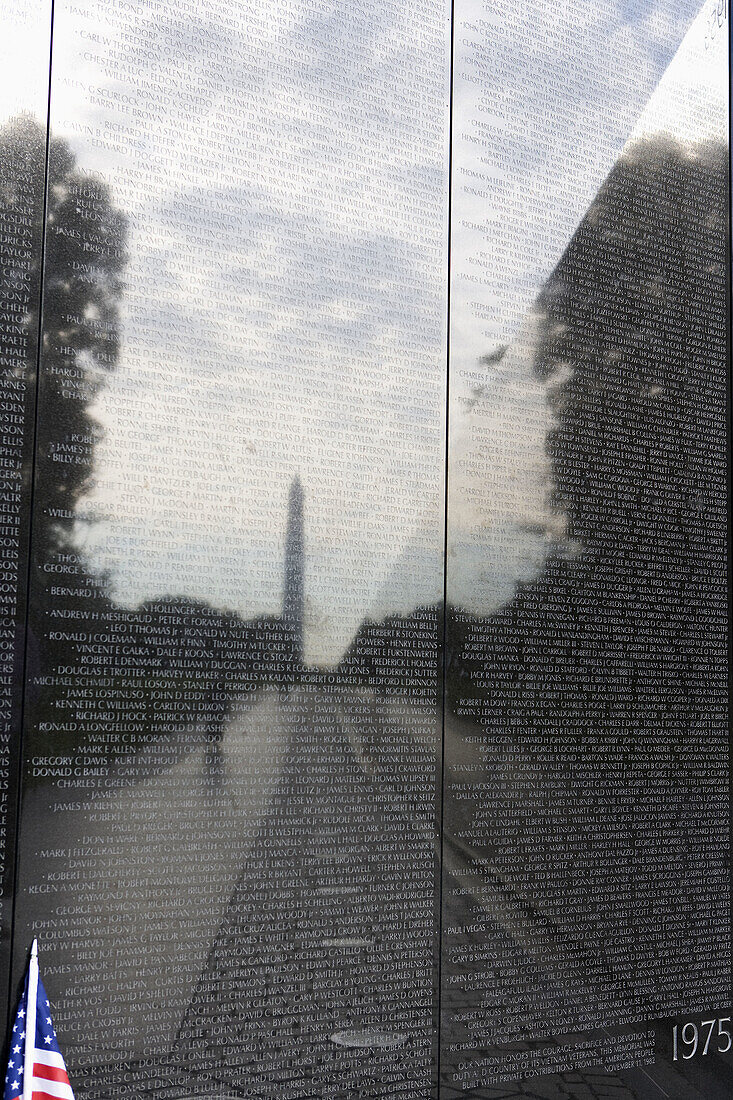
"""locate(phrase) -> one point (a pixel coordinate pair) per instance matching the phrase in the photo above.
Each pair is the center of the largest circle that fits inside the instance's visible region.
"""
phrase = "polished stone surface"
(24, 61)
(353, 765)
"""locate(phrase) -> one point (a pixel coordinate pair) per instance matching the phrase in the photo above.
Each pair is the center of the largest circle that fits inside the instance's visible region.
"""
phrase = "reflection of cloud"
(541, 117)
(285, 297)
(285, 303)
(542, 111)
(24, 83)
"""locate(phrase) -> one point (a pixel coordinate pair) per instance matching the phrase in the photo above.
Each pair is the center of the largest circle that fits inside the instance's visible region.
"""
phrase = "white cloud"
(285, 310)
(284, 171)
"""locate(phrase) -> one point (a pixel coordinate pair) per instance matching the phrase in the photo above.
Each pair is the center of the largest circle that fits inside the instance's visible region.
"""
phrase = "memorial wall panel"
(586, 891)
(24, 63)
(364, 530)
(229, 837)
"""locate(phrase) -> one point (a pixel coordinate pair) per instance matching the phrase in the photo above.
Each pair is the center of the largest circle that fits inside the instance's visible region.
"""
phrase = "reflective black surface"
(586, 889)
(326, 792)
(24, 64)
(232, 748)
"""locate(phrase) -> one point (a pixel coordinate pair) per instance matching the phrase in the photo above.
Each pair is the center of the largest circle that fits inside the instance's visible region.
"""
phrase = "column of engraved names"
(591, 814)
(173, 740)
(22, 145)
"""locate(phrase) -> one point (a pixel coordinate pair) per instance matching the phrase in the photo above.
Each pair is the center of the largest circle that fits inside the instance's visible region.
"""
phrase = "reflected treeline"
(173, 664)
(621, 630)
(599, 688)
(83, 285)
(86, 234)
(625, 622)
(169, 663)
(632, 346)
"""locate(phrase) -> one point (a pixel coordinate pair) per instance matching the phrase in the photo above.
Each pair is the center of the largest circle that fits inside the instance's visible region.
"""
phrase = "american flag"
(36, 1069)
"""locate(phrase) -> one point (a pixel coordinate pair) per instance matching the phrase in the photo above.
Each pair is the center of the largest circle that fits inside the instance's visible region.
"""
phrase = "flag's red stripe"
(50, 1073)
(43, 1095)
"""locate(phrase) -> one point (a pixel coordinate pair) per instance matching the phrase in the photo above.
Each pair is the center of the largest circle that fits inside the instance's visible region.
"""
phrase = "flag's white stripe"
(30, 1022)
(49, 1058)
(53, 1088)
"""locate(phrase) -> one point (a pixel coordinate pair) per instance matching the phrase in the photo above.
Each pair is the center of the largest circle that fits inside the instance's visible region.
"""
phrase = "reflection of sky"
(283, 172)
(543, 110)
(24, 45)
(283, 168)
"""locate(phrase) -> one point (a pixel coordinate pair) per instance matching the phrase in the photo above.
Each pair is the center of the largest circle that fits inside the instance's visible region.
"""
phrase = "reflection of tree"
(83, 282)
(84, 252)
(598, 686)
(633, 346)
(83, 287)
(634, 312)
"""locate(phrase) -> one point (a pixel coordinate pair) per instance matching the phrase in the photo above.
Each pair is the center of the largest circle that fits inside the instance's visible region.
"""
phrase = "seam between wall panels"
(446, 476)
(729, 469)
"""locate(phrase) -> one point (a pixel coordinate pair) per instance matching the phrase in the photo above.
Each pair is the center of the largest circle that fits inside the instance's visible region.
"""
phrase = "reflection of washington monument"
(294, 585)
